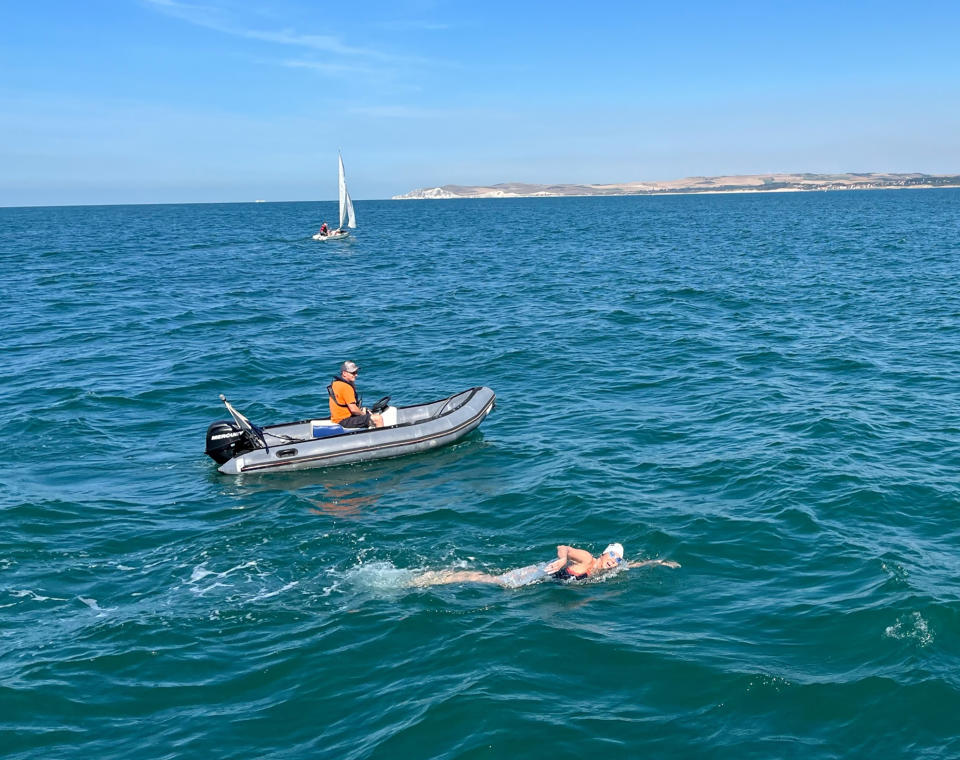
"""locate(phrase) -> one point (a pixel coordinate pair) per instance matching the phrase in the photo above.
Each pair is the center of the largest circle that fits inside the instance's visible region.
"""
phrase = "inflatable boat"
(238, 446)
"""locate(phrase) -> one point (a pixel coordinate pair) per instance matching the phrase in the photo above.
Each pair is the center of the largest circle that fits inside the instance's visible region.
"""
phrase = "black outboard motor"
(225, 440)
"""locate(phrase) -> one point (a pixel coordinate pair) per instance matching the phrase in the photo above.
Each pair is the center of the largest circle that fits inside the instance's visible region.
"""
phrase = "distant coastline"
(746, 183)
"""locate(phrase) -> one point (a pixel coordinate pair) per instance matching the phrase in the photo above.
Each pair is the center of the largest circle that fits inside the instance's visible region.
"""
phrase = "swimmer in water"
(570, 564)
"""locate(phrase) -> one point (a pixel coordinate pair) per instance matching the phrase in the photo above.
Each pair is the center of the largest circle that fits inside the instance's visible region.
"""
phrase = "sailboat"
(347, 219)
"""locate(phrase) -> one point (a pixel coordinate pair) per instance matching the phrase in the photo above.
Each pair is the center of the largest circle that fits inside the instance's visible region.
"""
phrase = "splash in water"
(380, 576)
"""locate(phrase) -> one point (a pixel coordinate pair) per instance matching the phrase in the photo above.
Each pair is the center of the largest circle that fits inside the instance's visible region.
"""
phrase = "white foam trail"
(200, 571)
(201, 591)
(36, 597)
(379, 576)
(262, 595)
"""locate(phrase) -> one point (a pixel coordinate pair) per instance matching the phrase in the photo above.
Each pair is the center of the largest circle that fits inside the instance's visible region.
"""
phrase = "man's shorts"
(357, 421)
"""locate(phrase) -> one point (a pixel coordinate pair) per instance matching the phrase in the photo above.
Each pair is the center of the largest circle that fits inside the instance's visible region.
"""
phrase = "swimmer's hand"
(551, 567)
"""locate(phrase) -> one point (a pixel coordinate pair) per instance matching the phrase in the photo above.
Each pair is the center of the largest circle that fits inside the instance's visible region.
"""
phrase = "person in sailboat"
(345, 408)
(324, 230)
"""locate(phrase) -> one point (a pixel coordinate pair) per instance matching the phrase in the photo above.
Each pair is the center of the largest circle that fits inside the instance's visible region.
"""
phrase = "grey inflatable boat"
(239, 446)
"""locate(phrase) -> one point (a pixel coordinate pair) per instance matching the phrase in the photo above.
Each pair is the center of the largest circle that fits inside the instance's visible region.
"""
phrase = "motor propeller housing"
(225, 440)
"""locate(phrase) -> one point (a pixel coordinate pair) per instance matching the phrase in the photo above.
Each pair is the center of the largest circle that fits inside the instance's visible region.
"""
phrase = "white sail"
(346, 205)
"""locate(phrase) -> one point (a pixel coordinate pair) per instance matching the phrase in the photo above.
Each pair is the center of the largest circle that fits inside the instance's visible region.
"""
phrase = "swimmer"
(570, 564)
(577, 564)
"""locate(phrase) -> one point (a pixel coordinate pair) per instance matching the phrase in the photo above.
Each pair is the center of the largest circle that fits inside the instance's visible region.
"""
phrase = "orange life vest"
(341, 393)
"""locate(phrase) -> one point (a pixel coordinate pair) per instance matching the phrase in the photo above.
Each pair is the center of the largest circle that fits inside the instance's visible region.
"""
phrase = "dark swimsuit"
(564, 574)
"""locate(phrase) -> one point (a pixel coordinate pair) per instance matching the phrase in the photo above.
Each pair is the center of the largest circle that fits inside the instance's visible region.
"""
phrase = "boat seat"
(325, 428)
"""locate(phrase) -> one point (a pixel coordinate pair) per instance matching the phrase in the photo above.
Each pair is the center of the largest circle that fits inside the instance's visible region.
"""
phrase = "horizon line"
(738, 191)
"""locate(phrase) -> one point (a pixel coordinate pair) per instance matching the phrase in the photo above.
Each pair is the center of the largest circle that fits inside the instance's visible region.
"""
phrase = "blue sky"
(138, 101)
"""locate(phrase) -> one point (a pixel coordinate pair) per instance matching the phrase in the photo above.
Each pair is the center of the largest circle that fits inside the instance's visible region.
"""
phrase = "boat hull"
(421, 428)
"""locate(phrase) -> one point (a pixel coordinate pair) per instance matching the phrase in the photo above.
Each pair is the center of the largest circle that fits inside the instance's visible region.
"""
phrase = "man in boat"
(324, 230)
(570, 565)
(345, 409)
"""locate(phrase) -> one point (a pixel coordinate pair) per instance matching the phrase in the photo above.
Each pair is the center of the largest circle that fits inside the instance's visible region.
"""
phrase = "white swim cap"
(615, 549)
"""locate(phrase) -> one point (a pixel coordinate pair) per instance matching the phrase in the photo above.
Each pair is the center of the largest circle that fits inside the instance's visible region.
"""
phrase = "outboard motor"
(225, 440)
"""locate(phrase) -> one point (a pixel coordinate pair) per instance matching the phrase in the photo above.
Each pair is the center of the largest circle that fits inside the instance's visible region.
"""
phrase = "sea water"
(761, 387)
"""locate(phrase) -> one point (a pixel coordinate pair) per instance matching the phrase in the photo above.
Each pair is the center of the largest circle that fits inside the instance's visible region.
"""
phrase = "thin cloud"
(210, 17)
(334, 69)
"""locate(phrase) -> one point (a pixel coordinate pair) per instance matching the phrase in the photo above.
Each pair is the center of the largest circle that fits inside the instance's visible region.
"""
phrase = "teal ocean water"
(763, 388)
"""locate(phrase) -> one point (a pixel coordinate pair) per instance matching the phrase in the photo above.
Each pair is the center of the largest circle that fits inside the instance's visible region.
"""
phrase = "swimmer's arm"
(664, 562)
(552, 567)
(560, 562)
(577, 560)
(578, 556)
